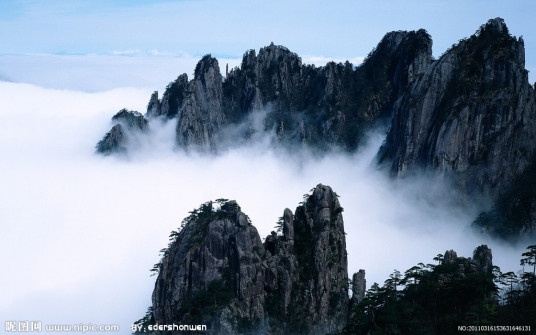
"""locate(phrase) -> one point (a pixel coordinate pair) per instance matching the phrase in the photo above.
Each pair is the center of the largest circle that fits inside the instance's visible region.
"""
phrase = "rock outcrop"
(359, 286)
(217, 271)
(318, 107)
(306, 273)
(212, 273)
(470, 116)
(127, 123)
(326, 106)
(472, 112)
(482, 262)
(200, 115)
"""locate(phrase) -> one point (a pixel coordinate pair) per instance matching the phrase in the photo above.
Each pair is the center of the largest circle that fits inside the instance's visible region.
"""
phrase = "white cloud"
(79, 231)
(322, 61)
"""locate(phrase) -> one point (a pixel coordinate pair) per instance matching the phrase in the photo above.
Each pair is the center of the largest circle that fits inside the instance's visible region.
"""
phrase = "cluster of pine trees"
(437, 298)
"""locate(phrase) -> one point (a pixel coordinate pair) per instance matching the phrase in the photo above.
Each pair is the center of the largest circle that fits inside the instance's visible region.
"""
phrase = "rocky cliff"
(326, 106)
(127, 124)
(318, 107)
(470, 116)
(472, 112)
(482, 262)
(217, 271)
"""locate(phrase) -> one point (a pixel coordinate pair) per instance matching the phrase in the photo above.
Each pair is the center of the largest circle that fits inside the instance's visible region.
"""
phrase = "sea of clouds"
(79, 231)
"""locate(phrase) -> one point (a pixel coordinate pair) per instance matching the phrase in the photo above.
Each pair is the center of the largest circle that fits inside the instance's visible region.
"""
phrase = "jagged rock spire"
(217, 272)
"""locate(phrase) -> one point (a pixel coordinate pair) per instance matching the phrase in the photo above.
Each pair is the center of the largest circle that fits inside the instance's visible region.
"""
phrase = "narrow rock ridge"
(217, 271)
(317, 107)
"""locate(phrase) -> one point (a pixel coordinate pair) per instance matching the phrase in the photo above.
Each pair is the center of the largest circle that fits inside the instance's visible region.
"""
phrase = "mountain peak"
(497, 24)
(204, 65)
(217, 271)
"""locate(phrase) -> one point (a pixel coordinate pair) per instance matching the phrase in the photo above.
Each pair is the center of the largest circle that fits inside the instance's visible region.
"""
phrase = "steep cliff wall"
(471, 113)
(217, 271)
(331, 105)
(212, 273)
(472, 117)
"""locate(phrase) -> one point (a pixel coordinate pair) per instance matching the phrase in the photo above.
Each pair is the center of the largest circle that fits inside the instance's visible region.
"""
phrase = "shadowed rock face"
(359, 286)
(113, 141)
(482, 262)
(218, 272)
(216, 255)
(126, 123)
(306, 276)
(326, 106)
(315, 107)
(472, 116)
(471, 113)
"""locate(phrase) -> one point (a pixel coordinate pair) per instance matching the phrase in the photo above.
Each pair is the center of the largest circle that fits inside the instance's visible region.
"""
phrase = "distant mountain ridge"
(469, 115)
(318, 107)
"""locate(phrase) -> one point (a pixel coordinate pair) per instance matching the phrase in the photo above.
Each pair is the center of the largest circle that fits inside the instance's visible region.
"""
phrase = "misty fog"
(80, 232)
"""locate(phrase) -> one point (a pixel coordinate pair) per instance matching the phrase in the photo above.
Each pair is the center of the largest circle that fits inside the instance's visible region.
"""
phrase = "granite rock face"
(325, 106)
(113, 142)
(359, 286)
(154, 107)
(217, 255)
(217, 271)
(318, 107)
(200, 115)
(127, 123)
(471, 116)
(471, 113)
(307, 272)
(172, 100)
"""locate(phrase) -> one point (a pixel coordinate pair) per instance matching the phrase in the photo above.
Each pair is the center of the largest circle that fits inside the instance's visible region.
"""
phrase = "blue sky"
(229, 28)
(168, 37)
